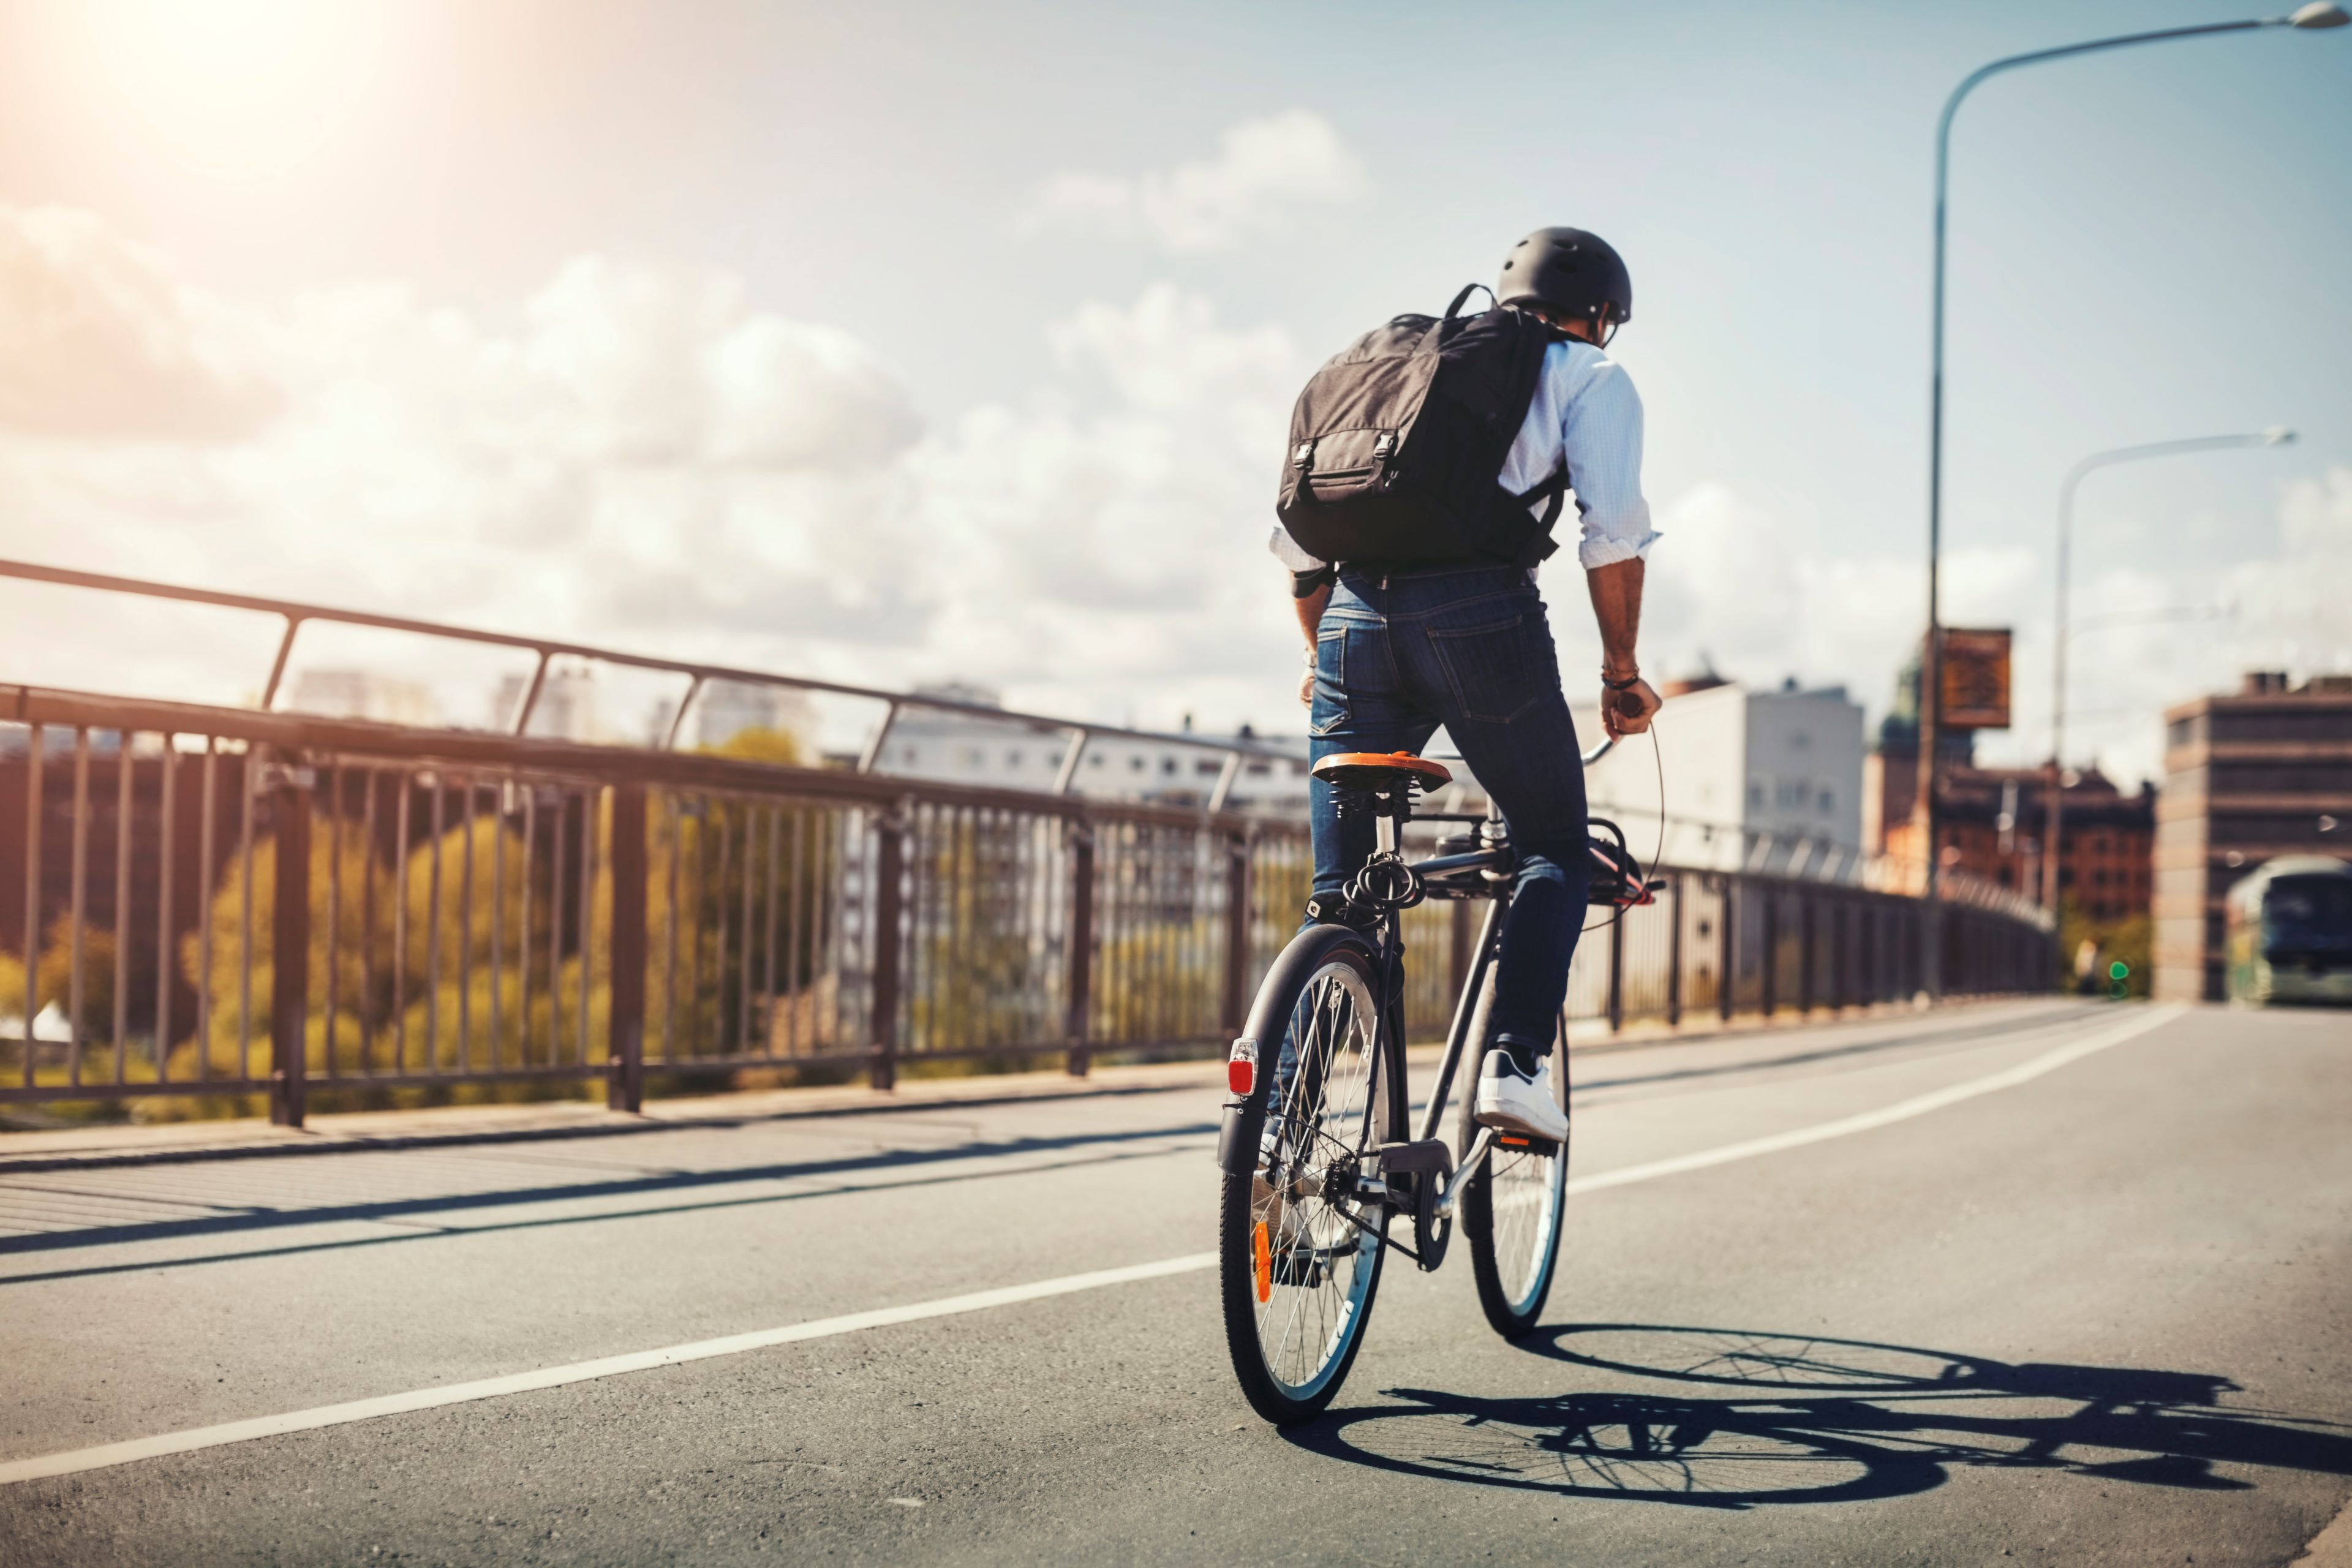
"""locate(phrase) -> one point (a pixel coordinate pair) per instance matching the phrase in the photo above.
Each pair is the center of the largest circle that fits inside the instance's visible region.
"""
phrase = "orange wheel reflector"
(1512, 1143)
(1264, 1258)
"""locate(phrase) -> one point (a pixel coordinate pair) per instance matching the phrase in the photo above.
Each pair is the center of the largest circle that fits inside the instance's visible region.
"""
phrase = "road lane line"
(1901, 1111)
(580, 1372)
(75, 1461)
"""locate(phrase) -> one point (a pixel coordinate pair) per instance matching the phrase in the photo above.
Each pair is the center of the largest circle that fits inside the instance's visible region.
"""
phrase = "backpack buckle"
(1385, 444)
(1304, 457)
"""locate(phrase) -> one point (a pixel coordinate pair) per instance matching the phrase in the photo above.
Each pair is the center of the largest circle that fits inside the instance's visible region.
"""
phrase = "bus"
(2289, 929)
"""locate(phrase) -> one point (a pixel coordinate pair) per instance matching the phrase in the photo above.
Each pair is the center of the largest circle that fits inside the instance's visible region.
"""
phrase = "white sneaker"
(1509, 1100)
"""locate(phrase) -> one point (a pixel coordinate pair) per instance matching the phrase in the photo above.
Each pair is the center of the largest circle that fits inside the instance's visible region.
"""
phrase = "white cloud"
(645, 458)
(2288, 608)
(1754, 593)
(98, 339)
(1265, 172)
(646, 461)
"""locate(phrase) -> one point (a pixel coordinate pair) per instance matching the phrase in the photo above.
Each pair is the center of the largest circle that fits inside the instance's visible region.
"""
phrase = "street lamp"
(2277, 436)
(2320, 13)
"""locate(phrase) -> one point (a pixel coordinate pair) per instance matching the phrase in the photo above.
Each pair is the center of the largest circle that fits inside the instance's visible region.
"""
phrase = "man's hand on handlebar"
(1628, 711)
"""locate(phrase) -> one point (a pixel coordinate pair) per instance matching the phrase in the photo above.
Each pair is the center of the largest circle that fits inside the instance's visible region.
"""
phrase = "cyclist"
(1394, 654)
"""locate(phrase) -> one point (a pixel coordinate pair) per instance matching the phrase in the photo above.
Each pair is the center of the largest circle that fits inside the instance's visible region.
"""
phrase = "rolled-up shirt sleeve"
(1285, 550)
(1600, 438)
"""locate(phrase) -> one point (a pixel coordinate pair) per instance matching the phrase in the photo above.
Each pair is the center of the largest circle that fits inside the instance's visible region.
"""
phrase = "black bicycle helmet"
(1572, 272)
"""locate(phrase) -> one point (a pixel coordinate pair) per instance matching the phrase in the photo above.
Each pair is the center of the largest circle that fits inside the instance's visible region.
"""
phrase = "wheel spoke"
(1329, 1097)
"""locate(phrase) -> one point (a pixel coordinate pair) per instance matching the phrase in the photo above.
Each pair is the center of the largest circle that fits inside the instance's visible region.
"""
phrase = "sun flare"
(240, 89)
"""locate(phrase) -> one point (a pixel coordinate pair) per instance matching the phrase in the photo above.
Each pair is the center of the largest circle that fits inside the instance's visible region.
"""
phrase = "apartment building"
(2260, 773)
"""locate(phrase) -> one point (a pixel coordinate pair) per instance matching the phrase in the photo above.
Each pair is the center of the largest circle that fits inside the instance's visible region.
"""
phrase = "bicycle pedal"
(1526, 1143)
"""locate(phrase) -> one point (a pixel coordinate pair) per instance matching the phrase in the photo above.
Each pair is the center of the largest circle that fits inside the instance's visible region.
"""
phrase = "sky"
(898, 343)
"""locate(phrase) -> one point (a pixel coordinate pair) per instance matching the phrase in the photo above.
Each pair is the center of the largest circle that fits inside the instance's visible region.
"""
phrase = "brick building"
(1989, 824)
(1991, 821)
(2262, 772)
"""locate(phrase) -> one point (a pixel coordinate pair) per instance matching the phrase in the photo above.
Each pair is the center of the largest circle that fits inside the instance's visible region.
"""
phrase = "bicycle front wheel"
(1299, 1244)
(1511, 1213)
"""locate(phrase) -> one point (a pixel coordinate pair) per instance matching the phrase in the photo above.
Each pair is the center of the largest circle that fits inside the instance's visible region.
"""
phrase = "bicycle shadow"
(1816, 1420)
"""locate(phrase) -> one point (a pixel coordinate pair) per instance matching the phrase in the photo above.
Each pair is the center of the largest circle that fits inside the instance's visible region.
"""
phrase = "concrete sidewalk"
(553, 1120)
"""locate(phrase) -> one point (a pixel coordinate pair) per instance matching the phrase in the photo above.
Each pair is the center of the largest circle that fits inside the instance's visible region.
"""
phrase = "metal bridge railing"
(221, 902)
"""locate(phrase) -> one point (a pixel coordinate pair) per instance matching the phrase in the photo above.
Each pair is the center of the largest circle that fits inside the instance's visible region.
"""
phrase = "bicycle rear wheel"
(1511, 1213)
(1299, 1248)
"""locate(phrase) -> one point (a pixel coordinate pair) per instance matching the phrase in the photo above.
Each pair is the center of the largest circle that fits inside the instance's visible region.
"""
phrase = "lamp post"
(2277, 436)
(2319, 14)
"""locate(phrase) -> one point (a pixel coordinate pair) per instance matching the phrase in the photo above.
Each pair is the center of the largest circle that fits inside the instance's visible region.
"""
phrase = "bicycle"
(1311, 1182)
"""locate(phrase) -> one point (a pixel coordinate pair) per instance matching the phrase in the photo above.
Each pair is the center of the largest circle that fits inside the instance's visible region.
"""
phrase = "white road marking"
(1901, 1111)
(75, 1461)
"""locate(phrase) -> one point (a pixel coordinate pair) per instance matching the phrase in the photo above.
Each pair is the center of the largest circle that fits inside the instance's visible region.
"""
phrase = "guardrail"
(698, 678)
(490, 911)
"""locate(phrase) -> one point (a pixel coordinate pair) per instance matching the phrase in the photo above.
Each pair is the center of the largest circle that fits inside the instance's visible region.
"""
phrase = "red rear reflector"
(1241, 1077)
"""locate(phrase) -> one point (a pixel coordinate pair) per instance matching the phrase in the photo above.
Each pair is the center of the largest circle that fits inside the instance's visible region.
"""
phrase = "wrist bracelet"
(1627, 684)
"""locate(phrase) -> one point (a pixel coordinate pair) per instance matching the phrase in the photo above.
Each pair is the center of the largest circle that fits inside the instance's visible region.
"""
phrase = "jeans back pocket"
(1499, 671)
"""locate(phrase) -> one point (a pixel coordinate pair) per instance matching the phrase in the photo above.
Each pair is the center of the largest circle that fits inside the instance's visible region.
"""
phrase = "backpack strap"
(1468, 289)
(1540, 543)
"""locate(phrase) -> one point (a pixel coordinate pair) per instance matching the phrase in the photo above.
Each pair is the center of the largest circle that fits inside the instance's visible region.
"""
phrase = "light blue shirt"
(1584, 410)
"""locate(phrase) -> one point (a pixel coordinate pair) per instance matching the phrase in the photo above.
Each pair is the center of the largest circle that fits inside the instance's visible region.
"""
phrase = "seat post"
(1384, 833)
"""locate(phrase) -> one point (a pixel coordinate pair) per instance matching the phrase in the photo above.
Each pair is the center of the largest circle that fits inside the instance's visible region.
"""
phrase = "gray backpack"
(1397, 443)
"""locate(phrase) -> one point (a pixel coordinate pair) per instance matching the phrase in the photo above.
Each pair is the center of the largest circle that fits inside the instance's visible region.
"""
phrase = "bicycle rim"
(1511, 1217)
(1314, 1247)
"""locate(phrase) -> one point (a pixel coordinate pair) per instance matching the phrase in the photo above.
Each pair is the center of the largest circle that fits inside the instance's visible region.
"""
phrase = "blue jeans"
(1396, 657)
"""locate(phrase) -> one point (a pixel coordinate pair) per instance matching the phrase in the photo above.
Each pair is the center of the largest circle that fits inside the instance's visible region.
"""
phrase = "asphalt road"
(2098, 1315)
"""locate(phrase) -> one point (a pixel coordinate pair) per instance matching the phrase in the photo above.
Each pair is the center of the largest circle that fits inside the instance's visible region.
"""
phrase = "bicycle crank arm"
(1480, 1147)
(1393, 1246)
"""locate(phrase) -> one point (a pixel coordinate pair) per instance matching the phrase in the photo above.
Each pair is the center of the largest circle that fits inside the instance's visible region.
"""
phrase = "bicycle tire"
(1516, 1259)
(1297, 1281)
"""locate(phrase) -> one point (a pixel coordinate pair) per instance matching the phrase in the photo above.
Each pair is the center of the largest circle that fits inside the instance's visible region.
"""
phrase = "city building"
(1990, 822)
(966, 748)
(1768, 779)
(2250, 777)
(362, 694)
(725, 708)
(566, 709)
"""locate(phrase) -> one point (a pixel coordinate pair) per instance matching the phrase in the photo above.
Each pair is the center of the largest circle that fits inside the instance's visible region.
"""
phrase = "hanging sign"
(1975, 685)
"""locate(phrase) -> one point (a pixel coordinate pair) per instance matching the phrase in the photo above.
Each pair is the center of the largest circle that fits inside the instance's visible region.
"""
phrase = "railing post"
(1674, 951)
(1769, 896)
(1726, 969)
(625, 1044)
(1237, 933)
(1617, 972)
(889, 902)
(1078, 1023)
(1809, 949)
(1841, 934)
(289, 947)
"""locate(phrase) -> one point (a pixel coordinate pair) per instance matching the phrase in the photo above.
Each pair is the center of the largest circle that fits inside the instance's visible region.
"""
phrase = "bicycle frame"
(1485, 873)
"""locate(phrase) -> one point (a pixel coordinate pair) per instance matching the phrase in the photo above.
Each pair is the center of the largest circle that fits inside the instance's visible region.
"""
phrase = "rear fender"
(1269, 1020)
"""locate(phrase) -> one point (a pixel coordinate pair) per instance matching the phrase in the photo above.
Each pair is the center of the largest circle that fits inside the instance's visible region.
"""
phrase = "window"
(1756, 793)
(1828, 802)
(1095, 761)
(1168, 766)
(1135, 765)
(1012, 758)
(1208, 767)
